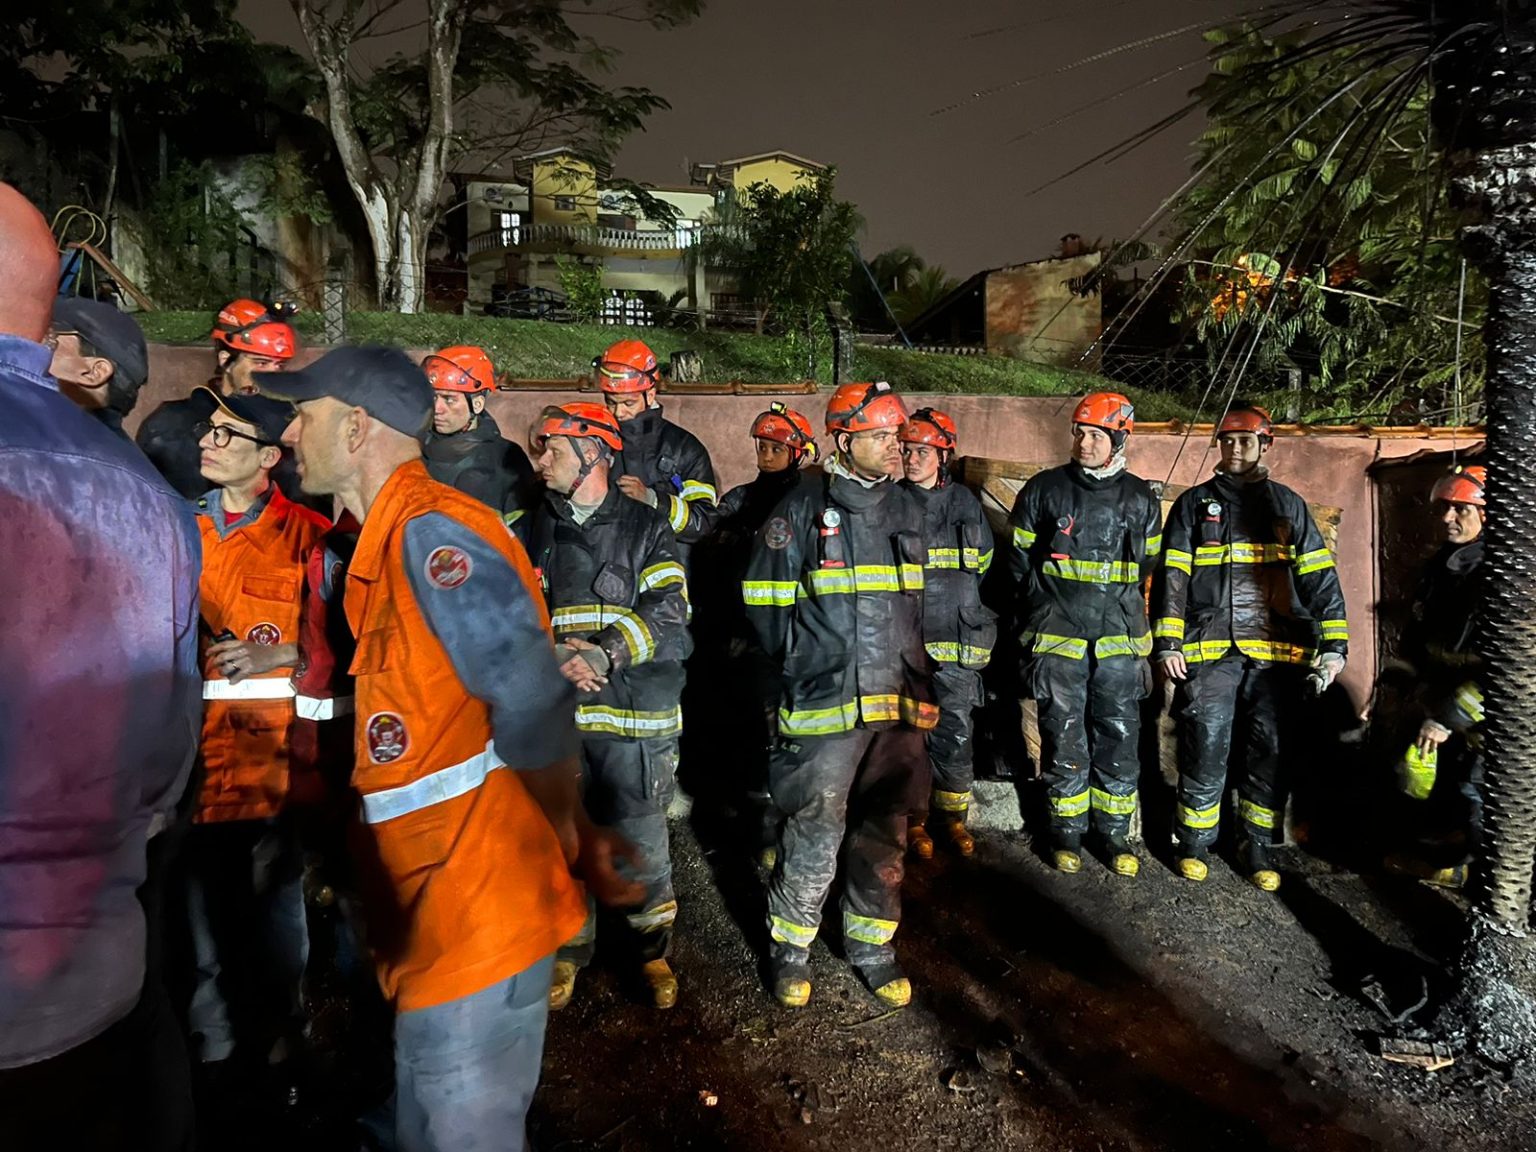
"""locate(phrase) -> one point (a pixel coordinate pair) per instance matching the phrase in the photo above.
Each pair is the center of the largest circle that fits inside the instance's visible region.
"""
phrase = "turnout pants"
(627, 785)
(1090, 722)
(843, 797)
(1257, 699)
(949, 771)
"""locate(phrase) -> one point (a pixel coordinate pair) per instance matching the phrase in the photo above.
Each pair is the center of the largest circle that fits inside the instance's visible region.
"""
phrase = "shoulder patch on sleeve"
(447, 567)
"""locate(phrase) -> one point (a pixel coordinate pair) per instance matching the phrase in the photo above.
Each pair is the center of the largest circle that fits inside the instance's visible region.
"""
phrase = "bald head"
(29, 267)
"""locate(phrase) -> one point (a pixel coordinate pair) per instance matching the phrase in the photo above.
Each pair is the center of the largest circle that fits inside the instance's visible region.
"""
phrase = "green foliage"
(909, 284)
(156, 57)
(582, 284)
(1322, 232)
(189, 228)
(792, 252)
(283, 184)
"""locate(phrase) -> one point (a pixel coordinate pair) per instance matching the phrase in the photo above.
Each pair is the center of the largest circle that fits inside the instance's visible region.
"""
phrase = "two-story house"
(560, 205)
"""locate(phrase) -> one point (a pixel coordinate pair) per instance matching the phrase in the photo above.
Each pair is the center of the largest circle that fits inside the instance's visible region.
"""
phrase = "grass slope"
(531, 349)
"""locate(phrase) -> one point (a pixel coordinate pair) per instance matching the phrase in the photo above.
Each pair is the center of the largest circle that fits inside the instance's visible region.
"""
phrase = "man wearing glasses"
(834, 591)
(245, 898)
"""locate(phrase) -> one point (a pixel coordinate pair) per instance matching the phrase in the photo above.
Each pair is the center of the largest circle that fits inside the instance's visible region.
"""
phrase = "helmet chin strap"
(603, 456)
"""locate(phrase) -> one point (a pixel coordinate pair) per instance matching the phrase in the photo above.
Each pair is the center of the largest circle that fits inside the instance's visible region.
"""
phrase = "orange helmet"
(1247, 418)
(628, 366)
(1462, 485)
(931, 427)
(1107, 410)
(462, 368)
(864, 407)
(580, 420)
(251, 326)
(783, 425)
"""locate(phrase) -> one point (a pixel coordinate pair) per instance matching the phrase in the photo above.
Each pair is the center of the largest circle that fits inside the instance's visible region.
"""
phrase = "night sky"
(856, 83)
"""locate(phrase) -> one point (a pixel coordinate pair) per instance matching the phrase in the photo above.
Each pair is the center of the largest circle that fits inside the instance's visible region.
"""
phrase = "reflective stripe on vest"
(434, 788)
(322, 707)
(248, 690)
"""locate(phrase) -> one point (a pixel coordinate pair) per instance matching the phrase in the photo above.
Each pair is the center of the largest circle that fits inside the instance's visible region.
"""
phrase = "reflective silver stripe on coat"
(444, 784)
(248, 690)
(322, 707)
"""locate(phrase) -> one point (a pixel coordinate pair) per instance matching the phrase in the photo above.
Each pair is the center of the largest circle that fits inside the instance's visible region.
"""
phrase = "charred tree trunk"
(1485, 108)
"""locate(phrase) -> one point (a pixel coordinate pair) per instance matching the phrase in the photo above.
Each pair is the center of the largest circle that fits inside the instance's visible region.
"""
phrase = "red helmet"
(1463, 485)
(462, 368)
(251, 326)
(864, 407)
(580, 420)
(628, 366)
(783, 425)
(1107, 410)
(931, 427)
(1247, 418)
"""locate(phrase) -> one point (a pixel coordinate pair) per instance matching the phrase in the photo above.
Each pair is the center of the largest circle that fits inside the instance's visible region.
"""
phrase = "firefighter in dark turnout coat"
(735, 685)
(465, 448)
(618, 604)
(834, 591)
(1249, 610)
(662, 464)
(1444, 761)
(1086, 536)
(958, 630)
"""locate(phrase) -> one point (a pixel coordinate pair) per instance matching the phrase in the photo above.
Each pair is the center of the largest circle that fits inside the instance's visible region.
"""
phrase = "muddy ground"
(1051, 1012)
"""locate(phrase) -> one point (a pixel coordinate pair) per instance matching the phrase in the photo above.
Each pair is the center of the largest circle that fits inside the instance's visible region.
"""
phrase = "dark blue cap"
(114, 335)
(384, 382)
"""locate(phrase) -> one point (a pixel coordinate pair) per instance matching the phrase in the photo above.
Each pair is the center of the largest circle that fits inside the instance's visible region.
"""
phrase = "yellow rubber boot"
(792, 988)
(1266, 880)
(897, 993)
(1193, 868)
(562, 984)
(663, 984)
(960, 837)
(1125, 864)
(919, 843)
(889, 984)
(1066, 860)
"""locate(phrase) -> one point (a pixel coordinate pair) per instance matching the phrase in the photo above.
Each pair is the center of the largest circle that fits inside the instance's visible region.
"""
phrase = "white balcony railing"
(588, 237)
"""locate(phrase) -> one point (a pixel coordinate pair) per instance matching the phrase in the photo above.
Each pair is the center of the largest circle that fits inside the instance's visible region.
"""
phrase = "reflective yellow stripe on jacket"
(588, 618)
(874, 709)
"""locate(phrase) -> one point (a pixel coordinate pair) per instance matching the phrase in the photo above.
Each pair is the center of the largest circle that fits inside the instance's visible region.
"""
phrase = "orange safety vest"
(253, 585)
(464, 879)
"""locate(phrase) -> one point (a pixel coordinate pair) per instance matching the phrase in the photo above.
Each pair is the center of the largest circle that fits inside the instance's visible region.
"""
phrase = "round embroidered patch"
(776, 533)
(265, 633)
(448, 567)
(387, 738)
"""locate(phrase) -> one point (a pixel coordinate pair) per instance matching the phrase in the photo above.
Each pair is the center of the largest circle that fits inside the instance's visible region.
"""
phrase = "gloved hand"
(1325, 671)
(1416, 772)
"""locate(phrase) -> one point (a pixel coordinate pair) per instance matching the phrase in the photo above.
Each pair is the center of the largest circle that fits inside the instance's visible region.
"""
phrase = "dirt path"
(1144, 1016)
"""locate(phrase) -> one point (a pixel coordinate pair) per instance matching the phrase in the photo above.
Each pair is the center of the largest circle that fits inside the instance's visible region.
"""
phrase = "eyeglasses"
(223, 434)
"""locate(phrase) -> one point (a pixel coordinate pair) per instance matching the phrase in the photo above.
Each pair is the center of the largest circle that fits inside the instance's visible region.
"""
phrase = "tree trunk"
(399, 213)
(1485, 108)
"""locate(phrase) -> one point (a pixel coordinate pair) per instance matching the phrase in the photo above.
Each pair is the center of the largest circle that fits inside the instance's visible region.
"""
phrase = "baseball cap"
(384, 382)
(114, 335)
(267, 415)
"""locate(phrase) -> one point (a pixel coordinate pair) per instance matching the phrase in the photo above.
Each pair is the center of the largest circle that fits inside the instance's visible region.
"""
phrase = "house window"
(565, 203)
(509, 226)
